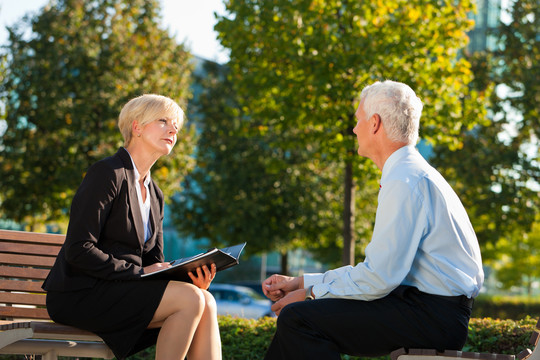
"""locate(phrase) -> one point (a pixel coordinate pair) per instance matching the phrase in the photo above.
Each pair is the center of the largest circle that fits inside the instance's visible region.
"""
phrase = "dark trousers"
(324, 328)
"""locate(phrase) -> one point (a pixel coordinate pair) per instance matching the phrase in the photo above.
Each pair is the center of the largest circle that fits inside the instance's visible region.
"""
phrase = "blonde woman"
(115, 235)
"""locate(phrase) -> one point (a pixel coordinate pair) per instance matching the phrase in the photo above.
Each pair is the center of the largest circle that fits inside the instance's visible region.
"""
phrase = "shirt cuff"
(312, 279)
(316, 280)
(320, 290)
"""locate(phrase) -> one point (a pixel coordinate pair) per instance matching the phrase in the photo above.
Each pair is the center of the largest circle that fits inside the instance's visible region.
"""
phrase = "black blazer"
(105, 235)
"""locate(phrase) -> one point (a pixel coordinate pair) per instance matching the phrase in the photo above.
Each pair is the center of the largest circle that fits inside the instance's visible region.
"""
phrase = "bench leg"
(51, 355)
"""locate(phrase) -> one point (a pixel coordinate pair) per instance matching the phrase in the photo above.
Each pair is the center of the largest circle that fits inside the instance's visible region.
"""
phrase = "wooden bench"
(26, 328)
(430, 354)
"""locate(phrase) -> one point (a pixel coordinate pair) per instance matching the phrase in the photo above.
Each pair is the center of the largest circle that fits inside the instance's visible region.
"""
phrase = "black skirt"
(118, 311)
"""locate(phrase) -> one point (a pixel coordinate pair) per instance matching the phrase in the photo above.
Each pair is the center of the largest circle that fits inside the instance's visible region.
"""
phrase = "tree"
(520, 260)
(245, 189)
(497, 171)
(301, 65)
(518, 62)
(490, 172)
(63, 89)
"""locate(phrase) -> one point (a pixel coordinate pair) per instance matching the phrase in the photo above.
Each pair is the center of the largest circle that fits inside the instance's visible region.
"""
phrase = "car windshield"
(255, 295)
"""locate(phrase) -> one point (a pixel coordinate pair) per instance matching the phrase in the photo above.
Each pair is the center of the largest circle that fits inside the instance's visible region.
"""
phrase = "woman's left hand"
(203, 280)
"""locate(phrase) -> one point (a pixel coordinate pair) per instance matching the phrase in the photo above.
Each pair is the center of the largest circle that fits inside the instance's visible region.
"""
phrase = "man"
(422, 268)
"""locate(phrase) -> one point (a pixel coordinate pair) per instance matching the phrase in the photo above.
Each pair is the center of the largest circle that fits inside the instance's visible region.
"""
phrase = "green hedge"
(244, 339)
(506, 307)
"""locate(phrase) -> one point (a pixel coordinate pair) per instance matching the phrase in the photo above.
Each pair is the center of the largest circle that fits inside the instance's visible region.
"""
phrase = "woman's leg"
(179, 315)
(206, 343)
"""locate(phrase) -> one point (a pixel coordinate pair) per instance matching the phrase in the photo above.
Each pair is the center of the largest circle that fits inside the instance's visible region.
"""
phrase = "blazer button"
(138, 251)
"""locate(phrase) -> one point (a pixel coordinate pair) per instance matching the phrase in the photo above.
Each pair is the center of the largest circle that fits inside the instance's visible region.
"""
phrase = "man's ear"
(376, 123)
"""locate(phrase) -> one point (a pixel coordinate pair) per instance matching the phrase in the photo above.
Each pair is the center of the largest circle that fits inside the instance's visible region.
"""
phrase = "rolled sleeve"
(397, 233)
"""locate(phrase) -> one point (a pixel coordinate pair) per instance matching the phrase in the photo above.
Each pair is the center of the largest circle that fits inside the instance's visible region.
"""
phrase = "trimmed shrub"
(506, 307)
(244, 339)
(499, 336)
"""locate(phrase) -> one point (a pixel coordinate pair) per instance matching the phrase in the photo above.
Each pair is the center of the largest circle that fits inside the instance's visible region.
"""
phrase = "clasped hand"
(202, 279)
(284, 290)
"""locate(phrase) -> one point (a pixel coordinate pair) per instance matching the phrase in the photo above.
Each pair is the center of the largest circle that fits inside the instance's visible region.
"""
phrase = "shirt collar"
(394, 159)
(137, 174)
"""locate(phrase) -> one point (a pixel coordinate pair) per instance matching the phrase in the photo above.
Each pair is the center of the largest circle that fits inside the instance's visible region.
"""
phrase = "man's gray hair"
(397, 105)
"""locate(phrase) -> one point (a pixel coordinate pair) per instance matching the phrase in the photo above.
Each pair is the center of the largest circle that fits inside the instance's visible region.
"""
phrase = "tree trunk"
(348, 217)
(284, 260)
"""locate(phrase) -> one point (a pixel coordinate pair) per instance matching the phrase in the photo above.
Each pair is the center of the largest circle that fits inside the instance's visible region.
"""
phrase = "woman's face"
(160, 135)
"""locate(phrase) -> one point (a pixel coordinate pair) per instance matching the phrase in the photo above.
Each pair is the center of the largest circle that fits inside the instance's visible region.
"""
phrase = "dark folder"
(223, 258)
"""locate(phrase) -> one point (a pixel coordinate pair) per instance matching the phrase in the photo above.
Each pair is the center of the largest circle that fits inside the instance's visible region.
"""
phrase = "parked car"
(240, 301)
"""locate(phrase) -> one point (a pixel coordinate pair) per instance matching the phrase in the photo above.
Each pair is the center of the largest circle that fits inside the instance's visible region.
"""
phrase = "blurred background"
(267, 155)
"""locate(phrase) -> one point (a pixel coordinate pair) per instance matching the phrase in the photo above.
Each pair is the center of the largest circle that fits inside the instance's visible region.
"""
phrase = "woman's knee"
(187, 297)
(209, 302)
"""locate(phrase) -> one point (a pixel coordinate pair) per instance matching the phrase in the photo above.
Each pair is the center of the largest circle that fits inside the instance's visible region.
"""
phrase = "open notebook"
(223, 258)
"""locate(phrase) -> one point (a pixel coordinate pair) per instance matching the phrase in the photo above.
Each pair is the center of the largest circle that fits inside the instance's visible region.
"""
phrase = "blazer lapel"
(134, 207)
(155, 212)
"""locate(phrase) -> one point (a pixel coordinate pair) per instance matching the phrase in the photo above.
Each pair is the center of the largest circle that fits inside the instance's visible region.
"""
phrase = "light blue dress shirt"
(422, 237)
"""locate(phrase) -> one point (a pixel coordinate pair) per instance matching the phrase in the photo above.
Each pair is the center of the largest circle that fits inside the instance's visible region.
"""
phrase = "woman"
(115, 235)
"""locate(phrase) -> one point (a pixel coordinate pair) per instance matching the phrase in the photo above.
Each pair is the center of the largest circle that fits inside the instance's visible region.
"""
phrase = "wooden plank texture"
(23, 313)
(22, 248)
(24, 286)
(22, 298)
(29, 237)
(25, 260)
(30, 260)
(18, 272)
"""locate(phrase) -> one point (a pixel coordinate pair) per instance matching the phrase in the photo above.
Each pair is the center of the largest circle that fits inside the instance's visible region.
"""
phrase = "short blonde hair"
(145, 109)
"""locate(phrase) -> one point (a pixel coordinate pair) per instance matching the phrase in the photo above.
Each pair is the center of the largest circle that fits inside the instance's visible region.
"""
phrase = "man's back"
(430, 223)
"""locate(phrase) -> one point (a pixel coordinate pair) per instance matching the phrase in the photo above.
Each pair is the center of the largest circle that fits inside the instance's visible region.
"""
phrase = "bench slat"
(20, 248)
(22, 298)
(31, 260)
(67, 348)
(24, 313)
(23, 273)
(55, 328)
(25, 260)
(30, 237)
(44, 328)
(17, 285)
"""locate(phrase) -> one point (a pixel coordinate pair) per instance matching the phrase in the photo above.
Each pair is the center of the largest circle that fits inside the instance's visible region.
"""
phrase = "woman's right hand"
(203, 281)
(155, 267)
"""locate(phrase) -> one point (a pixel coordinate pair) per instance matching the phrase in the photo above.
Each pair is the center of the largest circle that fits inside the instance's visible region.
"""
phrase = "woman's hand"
(155, 267)
(203, 280)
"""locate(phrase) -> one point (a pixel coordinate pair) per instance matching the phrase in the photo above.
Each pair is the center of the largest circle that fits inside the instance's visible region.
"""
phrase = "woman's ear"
(136, 128)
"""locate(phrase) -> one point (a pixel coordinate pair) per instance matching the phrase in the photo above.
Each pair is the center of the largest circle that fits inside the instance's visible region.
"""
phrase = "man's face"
(361, 130)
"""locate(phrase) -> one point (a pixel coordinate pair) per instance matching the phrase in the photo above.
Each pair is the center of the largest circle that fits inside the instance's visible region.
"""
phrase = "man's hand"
(203, 281)
(278, 286)
(293, 296)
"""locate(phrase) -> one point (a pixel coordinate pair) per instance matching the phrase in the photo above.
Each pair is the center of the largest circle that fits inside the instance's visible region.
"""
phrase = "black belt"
(460, 299)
